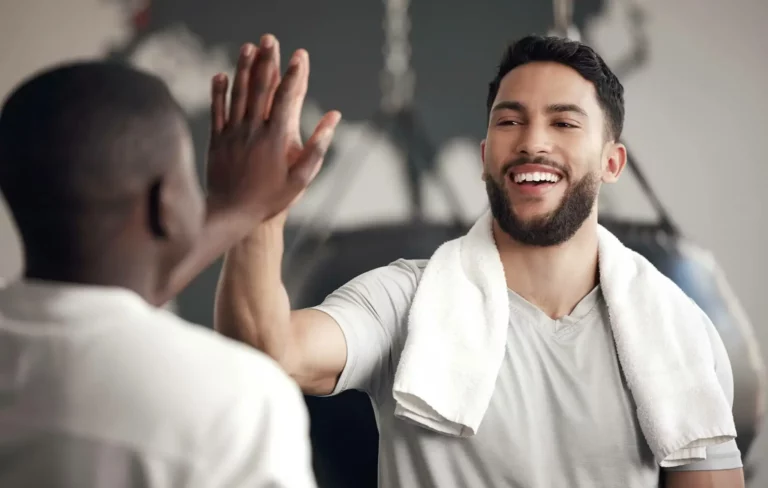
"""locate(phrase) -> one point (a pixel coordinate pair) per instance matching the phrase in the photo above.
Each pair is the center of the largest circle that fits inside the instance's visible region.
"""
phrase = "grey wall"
(696, 113)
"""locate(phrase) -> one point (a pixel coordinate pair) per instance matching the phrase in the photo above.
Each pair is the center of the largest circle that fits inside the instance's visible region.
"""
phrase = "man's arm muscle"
(252, 306)
(320, 352)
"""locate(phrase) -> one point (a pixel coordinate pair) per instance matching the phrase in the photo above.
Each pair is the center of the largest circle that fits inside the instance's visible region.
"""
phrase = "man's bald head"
(83, 146)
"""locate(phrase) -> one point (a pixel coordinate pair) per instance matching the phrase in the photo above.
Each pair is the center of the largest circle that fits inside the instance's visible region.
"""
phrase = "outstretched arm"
(728, 478)
(252, 306)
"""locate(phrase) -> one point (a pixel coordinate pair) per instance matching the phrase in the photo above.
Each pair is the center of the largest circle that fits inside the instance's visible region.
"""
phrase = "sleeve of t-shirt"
(263, 439)
(372, 312)
(725, 455)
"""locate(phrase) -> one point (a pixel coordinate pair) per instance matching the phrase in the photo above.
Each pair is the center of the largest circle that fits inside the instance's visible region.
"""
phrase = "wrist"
(221, 207)
(266, 233)
(260, 251)
(263, 243)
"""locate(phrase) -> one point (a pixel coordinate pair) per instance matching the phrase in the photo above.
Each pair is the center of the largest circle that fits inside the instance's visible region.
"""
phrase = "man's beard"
(552, 229)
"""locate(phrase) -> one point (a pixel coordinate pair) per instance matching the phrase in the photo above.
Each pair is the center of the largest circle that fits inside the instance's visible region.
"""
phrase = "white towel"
(457, 333)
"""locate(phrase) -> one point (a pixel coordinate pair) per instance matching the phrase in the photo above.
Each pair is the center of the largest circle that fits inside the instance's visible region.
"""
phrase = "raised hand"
(257, 164)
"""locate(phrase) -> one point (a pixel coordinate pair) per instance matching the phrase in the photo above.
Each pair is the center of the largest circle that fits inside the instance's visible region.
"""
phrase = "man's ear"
(157, 215)
(484, 175)
(165, 208)
(614, 161)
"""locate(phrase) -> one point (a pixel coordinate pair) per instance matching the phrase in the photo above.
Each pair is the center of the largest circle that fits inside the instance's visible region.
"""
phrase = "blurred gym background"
(410, 78)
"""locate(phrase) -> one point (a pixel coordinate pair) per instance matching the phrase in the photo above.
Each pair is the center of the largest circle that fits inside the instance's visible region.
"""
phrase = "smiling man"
(561, 412)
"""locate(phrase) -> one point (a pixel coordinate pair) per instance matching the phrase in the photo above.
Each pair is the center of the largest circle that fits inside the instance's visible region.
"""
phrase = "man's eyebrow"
(566, 107)
(516, 106)
(509, 105)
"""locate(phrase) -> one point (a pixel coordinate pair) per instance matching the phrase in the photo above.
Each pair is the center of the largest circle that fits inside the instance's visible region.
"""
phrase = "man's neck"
(554, 278)
(109, 271)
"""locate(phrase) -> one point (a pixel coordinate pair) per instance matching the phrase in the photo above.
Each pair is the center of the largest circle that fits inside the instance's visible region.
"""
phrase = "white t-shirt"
(561, 414)
(100, 389)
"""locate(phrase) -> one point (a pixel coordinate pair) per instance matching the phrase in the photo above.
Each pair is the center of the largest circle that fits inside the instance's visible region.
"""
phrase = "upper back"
(94, 379)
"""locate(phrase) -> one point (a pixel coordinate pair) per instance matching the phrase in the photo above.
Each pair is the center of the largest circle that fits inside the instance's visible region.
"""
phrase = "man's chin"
(531, 220)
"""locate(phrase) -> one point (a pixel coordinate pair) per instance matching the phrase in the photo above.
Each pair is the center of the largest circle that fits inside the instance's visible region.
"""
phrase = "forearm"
(730, 478)
(221, 231)
(252, 304)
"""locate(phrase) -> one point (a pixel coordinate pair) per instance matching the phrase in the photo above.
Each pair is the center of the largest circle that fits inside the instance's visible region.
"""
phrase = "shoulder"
(215, 358)
(152, 382)
(190, 376)
(725, 455)
(414, 266)
(401, 272)
(247, 416)
(192, 338)
(406, 268)
(719, 352)
(400, 275)
(382, 295)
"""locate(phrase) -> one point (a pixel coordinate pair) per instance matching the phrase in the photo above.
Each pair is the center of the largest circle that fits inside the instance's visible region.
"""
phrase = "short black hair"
(80, 143)
(580, 57)
(84, 133)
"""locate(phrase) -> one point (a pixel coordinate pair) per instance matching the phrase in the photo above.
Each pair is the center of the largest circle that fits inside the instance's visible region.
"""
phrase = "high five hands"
(257, 164)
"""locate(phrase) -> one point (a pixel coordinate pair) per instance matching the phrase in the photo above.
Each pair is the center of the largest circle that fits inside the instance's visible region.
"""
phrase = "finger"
(294, 123)
(289, 98)
(218, 103)
(306, 168)
(237, 104)
(309, 163)
(263, 73)
(273, 84)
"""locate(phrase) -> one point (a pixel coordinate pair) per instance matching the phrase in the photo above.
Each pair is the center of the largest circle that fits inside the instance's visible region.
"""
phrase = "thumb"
(310, 161)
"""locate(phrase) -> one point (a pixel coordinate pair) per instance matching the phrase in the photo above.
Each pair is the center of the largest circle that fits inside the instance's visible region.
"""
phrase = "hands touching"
(257, 164)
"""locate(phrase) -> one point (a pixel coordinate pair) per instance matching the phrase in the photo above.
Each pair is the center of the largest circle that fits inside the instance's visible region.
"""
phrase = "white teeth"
(537, 176)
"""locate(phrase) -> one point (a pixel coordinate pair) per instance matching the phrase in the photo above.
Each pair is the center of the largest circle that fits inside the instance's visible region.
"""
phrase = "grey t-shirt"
(561, 414)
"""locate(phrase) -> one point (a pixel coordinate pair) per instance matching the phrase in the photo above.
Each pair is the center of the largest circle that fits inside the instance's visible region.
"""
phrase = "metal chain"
(398, 80)
(563, 20)
(563, 14)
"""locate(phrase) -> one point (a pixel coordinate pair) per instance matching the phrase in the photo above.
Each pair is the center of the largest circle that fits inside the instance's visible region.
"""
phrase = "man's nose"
(535, 141)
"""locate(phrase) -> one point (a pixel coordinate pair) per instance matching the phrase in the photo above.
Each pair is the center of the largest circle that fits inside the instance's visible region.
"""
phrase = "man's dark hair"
(580, 57)
(84, 132)
(79, 142)
(84, 136)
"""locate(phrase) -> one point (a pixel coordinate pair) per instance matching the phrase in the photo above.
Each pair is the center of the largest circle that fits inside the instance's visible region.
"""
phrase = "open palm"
(257, 163)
